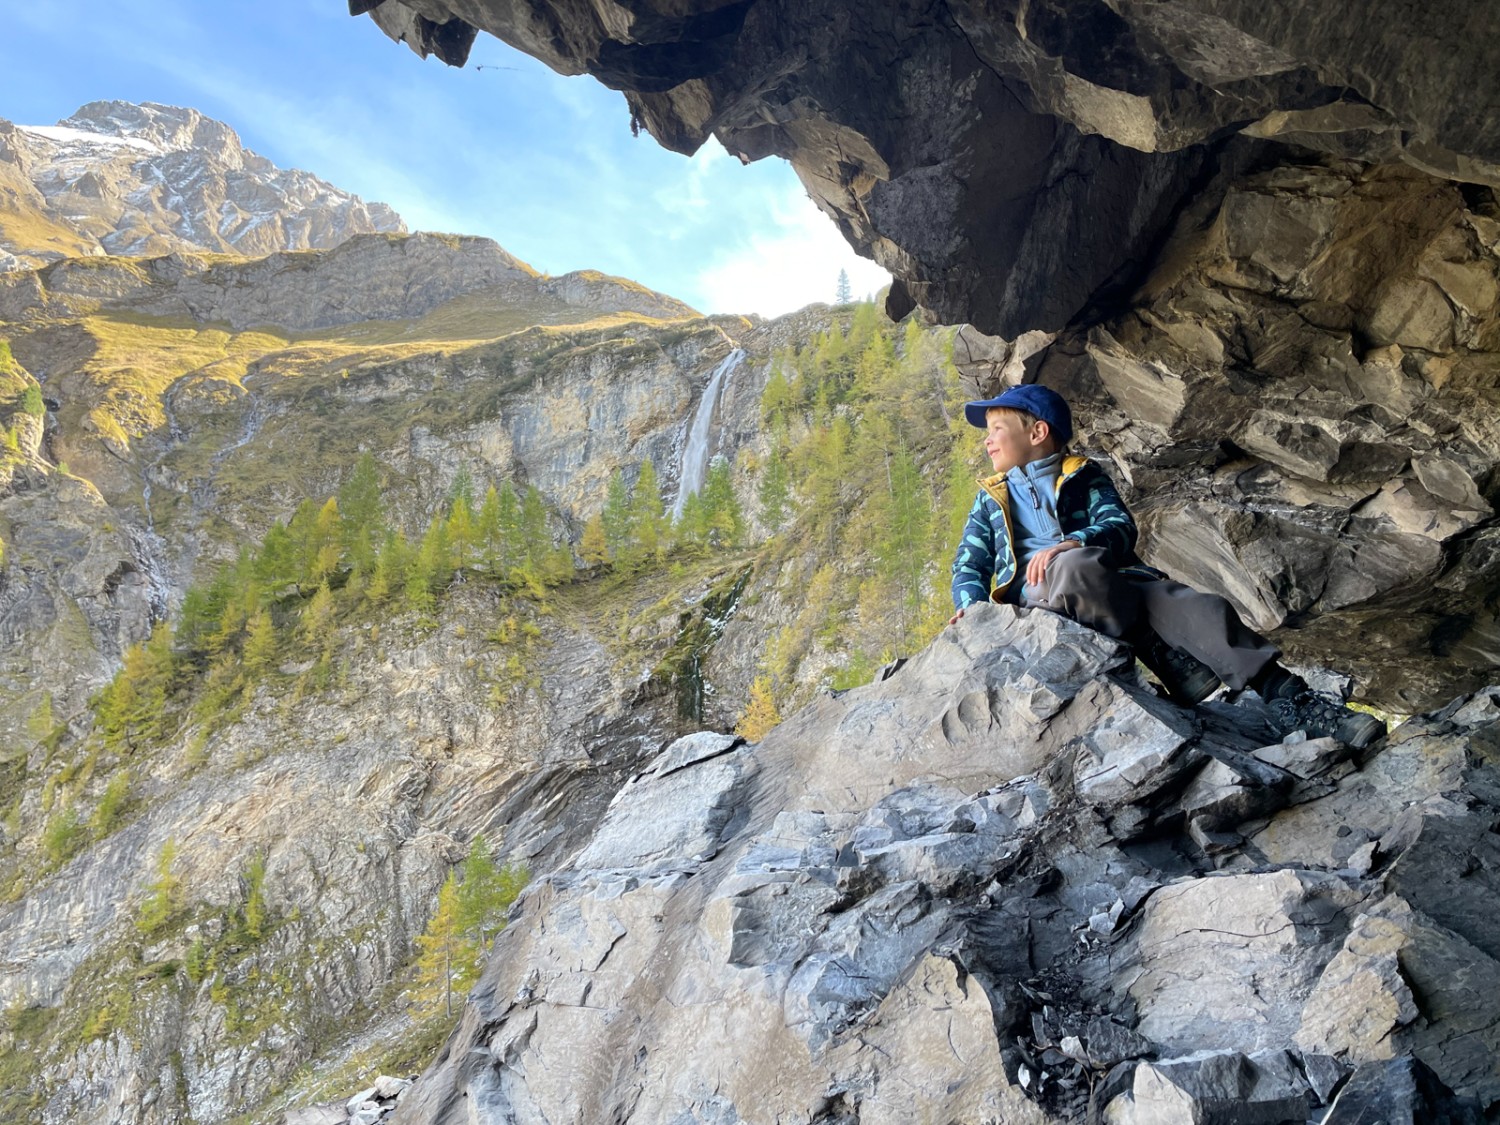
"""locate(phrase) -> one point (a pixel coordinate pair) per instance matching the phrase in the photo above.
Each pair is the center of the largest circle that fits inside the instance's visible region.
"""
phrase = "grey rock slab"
(1215, 1088)
(931, 1048)
(1400, 1092)
(1132, 744)
(671, 816)
(334, 1113)
(1227, 962)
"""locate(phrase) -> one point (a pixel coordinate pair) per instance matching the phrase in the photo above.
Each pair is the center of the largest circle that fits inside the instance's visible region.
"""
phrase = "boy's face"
(1011, 441)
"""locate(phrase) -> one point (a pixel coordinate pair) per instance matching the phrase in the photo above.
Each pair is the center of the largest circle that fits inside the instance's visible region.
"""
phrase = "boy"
(1048, 530)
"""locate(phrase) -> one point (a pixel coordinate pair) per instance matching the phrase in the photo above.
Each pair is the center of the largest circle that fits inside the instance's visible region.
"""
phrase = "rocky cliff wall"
(1004, 883)
(127, 179)
(1013, 164)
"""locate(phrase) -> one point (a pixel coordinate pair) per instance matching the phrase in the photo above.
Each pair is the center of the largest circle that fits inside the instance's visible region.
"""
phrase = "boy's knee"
(1080, 569)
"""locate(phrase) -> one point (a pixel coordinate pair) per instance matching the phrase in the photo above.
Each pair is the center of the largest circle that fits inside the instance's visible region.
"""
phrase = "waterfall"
(694, 465)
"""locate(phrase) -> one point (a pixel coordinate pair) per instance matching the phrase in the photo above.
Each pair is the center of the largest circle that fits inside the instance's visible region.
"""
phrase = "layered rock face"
(1007, 883)
(1302, 402)
(126, 179)
(368, 277)
(1012, 164)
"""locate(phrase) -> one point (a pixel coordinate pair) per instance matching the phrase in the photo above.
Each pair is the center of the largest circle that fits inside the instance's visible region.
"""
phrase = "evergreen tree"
(616, 518)
(462, 535)
(510, 548)
(260, 650)
(164, 896)
(325, 546)
(131, 709)
(775, 489)
(905, 522)
(692, 525)
(760, 711)
(462, 488)
(390, 568)
(361, 515)
(648, 516)
(843, 294)
(724, 521)
(487, 533)
(542, 564)
(276, 562)
(317, 621)
(470, 911)
(593, 549)
(447, 959)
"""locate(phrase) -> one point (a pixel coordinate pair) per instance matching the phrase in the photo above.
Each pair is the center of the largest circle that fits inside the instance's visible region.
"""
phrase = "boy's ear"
(1040, 431)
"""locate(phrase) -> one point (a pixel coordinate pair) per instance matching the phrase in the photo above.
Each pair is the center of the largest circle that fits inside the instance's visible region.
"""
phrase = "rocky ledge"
(1008, 882)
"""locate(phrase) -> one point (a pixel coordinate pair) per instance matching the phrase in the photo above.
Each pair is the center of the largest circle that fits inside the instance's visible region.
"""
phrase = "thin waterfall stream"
(695, 452)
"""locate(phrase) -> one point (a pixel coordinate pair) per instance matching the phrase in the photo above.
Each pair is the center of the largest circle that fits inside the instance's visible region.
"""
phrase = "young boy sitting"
(1048, 530)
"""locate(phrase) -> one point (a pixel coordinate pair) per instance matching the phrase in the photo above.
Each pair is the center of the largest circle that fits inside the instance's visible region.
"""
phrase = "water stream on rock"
(695, 453)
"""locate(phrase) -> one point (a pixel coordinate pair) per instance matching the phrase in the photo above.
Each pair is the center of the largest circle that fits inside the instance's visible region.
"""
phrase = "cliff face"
(127, 179)
(1007, 884)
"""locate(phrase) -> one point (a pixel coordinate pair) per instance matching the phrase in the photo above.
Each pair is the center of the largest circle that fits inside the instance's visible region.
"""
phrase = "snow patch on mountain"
(151, 179)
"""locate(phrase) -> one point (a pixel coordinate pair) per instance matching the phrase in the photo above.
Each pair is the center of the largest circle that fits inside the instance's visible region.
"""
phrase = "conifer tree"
(390, 568)
(276, 561)
(325, 545)
(259, 653)
(317, 621)
(775, 491)
(361, 515)
(723, 519)
(647, 516)
(462, 536)
(843, 294)
(510, 548)
(164, 896)
(542, 564)
(592, 547)
(462, 488)
(487, 530)
(905, 522)
(447, 959)
(760, 711)
(692, 525)
(616, 518)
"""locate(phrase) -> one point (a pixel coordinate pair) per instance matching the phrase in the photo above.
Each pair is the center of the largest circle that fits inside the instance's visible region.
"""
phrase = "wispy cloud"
(791, 262)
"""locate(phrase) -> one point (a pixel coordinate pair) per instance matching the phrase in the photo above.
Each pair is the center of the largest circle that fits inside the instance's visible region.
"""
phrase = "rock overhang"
(1015, 166)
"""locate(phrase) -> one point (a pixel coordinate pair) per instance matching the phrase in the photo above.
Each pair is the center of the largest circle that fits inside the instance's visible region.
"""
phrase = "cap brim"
(975, 412)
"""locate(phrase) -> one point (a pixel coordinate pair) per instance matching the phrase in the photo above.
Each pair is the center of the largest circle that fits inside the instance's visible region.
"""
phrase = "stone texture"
(1012, 165)
(892, 920)
(137, 180)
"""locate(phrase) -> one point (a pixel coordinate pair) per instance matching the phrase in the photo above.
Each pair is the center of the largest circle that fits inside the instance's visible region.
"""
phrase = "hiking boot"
(1188, 680)
(1323, 717)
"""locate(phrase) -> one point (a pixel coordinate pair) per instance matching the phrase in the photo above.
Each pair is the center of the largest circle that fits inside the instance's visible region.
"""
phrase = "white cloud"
(790, 264)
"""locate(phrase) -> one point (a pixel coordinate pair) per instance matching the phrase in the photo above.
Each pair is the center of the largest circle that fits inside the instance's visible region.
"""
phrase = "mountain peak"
(167, 128)
(148, 179)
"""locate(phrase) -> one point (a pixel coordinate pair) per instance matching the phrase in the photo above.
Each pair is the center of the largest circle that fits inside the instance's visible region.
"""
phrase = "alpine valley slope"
(236, 777)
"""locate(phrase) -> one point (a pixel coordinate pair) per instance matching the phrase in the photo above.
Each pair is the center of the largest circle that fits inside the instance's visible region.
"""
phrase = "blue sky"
(543, 164)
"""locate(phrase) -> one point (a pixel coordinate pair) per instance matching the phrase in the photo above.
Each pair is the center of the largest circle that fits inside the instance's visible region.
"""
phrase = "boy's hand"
(955, 617)
(1036, 569)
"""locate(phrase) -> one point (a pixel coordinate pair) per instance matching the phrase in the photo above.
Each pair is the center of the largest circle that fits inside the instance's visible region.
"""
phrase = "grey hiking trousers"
(1079, 584)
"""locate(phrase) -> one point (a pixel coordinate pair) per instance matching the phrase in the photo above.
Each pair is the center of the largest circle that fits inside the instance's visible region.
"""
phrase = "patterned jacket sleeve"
(1110, 524)
(974, 564)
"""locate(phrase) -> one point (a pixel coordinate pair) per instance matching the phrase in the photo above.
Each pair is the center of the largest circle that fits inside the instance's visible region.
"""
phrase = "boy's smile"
(1010, 441)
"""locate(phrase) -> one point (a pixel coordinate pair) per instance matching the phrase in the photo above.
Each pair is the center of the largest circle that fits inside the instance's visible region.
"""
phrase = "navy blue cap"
(1036, 400)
